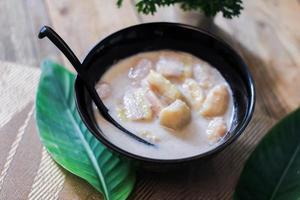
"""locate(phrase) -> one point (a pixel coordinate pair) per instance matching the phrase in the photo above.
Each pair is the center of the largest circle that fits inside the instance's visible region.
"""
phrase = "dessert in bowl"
(180, 88)
(172, 99)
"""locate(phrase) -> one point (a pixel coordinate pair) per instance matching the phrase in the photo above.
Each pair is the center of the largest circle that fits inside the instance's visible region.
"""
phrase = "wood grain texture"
(84, 23)
(20, 21)
(37, 17)
(268, 36)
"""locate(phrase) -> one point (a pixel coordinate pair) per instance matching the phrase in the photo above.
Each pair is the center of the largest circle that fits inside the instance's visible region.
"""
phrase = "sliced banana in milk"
(175, 116)
(163, 86)
(195, 93)
(156, 104)
(216, 129)
(169, 67)
(136, 105)
(216, 102)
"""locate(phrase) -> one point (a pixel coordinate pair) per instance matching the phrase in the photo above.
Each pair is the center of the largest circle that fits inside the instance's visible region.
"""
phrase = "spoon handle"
(65, 49)
(46, 31)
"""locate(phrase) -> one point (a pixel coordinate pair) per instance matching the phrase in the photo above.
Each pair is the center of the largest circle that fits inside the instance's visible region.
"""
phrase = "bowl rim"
(246, 119)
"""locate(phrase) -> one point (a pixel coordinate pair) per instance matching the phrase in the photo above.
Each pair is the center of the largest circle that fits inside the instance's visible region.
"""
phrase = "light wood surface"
(267, 35)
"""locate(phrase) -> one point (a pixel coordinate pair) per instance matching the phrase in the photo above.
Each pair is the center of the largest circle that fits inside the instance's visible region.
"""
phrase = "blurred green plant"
(273, 169)
(229, 8)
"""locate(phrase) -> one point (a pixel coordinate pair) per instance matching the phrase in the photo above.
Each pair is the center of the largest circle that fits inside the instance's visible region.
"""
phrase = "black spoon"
(65, 49)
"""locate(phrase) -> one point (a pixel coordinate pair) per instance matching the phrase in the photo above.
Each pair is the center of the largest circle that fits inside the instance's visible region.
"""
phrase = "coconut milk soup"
(172, 99)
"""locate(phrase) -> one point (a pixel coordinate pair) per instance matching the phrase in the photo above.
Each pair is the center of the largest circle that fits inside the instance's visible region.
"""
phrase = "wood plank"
(83, 23)
(18, 41)
(269, 39)
(37, 17)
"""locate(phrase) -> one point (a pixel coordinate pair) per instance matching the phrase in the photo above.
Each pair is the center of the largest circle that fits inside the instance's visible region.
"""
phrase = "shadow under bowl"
(171, 36)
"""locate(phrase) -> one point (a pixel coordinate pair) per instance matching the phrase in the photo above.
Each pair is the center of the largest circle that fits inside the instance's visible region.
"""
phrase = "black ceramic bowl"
(159, 36)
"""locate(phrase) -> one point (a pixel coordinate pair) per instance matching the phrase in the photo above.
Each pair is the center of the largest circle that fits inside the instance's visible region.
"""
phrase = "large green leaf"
(70, 143)
(273, 169)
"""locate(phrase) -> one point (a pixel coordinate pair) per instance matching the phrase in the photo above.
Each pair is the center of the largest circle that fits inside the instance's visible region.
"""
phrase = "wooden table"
(267, 35)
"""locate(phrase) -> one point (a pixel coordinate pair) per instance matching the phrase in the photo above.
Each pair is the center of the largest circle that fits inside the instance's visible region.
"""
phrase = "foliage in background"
(70, 143)
(229, 8)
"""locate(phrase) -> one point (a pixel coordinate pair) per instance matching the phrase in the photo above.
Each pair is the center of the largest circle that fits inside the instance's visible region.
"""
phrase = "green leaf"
(70, 143)
(273, 169)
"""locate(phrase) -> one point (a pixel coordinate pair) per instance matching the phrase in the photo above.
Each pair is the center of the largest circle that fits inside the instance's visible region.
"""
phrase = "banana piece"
(103, 89)
(216, 129)
(187, 71)
(204, 75)
(216, 102)
(121, 113)
(155, 102)
(170, 67)
(175, 116)
(163, 86)
(136, 105)
(140, 71)
(195, 93)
